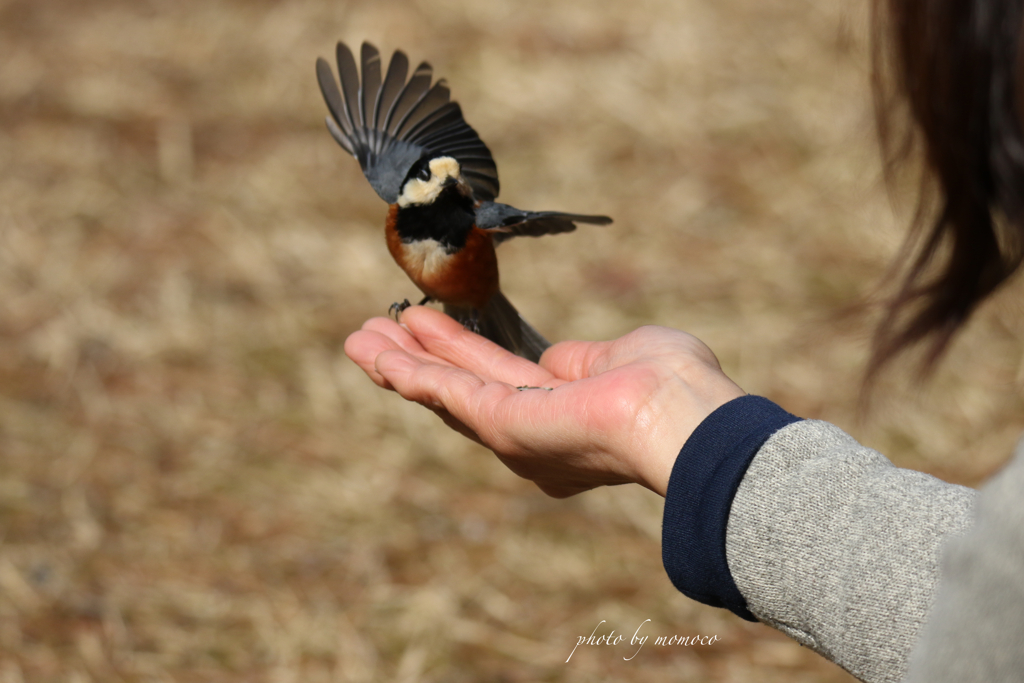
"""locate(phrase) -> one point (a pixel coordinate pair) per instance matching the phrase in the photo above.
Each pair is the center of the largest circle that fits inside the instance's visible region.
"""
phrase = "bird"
(440, 182)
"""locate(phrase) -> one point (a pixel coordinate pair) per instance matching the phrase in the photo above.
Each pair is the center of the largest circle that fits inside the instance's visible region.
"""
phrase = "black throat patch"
(447, 220)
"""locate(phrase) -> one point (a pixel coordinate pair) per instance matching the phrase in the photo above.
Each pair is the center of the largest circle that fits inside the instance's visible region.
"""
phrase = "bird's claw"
(473, 324)
(396, 308)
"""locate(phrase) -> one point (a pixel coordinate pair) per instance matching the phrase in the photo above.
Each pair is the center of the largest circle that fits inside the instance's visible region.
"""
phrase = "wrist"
(674, 424)
(704, 482)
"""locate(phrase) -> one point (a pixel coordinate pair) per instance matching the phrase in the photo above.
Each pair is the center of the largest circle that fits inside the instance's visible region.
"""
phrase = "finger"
(363, 347)
(456, 425)
(434, 385)
(573, 360)
(377, 337)
(468, 398)
(444, 337)
(390, 328)
(402, 338)
(513, 424)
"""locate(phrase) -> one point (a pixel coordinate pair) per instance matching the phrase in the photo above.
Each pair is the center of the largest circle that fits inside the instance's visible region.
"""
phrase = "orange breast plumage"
(466, 277)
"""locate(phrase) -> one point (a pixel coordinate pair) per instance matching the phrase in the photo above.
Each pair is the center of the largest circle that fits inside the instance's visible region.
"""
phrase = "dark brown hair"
(946, 85)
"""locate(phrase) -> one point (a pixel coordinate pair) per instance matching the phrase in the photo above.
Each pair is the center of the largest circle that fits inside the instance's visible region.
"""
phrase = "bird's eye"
(424, 173)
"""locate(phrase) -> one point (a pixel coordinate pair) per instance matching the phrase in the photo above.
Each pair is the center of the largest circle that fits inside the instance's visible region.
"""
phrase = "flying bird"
(440, 182)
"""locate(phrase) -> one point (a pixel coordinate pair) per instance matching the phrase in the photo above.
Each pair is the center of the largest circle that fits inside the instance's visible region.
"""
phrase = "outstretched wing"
(389, 124)
(505, 221)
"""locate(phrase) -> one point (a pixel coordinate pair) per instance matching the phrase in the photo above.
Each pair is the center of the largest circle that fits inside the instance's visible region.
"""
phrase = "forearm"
(832, 544)
(829, 542)
(975, 629)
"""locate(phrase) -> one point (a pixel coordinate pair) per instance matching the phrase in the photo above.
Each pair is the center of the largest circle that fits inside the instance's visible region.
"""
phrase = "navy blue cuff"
(700, 491)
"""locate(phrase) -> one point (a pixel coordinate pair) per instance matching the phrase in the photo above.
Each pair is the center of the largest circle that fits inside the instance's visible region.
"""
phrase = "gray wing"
(505, 221)
(389, 124)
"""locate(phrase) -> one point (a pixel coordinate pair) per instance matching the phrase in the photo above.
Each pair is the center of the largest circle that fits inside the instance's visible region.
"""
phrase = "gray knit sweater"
(892, 574)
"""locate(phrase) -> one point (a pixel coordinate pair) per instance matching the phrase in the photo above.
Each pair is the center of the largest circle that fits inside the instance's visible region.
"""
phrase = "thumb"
(573, 360)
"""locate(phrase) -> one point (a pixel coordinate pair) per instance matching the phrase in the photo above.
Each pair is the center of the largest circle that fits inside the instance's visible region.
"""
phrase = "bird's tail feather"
(500, 322)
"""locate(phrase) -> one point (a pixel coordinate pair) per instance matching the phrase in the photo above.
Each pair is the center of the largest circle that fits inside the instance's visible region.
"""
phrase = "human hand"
(618, 411)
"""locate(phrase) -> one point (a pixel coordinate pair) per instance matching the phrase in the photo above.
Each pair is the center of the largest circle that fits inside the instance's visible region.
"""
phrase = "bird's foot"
(473, 324)
(396, 308)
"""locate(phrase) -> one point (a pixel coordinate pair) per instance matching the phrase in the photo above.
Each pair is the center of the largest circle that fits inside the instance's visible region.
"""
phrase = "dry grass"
(197, 485)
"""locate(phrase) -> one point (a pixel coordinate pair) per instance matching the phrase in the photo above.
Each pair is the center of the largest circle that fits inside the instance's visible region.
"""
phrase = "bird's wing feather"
(371, 85)
(505, 222)
(427, 108)
(349, 75)
(418, 84)
(392, 88)
(389, 125)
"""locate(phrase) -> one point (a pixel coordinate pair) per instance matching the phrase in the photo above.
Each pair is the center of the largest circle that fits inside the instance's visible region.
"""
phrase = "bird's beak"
(461, 186)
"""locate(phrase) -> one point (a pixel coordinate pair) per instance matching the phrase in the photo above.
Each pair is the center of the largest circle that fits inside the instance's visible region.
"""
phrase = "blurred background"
(197, 485)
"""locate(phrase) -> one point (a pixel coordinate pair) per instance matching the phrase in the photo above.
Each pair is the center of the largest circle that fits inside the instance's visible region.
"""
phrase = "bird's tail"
(500, 322)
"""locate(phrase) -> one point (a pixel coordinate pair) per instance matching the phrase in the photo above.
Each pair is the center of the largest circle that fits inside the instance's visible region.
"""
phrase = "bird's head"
(429, 178)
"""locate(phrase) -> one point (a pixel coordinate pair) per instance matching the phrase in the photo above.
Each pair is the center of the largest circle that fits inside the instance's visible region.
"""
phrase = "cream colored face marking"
(420, 192)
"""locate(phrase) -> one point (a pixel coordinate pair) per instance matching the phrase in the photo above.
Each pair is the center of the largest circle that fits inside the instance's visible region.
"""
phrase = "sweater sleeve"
(701, 488)
(975, 632)
(832, 544)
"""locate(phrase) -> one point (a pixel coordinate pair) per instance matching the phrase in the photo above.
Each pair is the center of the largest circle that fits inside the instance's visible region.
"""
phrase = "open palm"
(614, 412)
